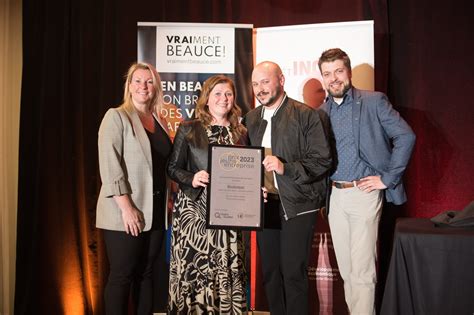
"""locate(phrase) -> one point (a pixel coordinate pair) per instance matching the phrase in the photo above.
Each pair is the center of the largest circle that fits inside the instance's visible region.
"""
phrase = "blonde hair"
(202, 109)
(157, 99)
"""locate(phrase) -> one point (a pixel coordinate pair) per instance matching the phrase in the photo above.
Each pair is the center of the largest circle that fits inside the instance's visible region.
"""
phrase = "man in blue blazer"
(372, 145)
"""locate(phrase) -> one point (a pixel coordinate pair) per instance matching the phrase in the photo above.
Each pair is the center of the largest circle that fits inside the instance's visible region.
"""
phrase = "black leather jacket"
(299, 141)
(189, 155)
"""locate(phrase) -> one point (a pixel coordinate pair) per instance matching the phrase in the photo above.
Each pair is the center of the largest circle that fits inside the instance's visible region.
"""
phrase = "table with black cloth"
(431, 270)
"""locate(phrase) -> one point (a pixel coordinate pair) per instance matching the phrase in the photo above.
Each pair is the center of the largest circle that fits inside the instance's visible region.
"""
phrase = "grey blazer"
(125, 165)
(383, 139)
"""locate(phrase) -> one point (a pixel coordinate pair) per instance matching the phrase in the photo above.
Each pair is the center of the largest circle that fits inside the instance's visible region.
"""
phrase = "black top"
(160, 151)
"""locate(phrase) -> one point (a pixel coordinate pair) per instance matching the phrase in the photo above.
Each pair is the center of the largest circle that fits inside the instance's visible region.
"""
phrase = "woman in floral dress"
(207, 274)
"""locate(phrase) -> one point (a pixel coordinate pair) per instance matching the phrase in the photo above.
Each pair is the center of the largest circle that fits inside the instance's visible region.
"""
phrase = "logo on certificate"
(229, 161)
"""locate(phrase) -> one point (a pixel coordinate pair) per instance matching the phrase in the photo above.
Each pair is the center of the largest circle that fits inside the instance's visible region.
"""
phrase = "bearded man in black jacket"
(297, 161)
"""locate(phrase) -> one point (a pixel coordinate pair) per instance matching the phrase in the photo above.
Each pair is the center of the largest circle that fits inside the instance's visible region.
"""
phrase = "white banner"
(297, 49)
(186, 54)
(195, 50)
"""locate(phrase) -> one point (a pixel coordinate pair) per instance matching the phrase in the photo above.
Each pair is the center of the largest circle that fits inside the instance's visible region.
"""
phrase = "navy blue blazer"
(383, 139)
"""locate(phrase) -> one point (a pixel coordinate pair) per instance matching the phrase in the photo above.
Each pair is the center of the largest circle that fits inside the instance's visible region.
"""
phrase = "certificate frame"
(234, 192)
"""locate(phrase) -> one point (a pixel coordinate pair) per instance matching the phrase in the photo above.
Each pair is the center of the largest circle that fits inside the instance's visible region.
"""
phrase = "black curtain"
(75, 56)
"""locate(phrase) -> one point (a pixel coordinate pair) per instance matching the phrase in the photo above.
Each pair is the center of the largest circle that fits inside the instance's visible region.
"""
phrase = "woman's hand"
(133, 221)
(201, 179)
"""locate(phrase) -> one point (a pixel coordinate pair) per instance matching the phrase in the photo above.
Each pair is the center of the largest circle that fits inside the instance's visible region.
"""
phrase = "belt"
(343, 185)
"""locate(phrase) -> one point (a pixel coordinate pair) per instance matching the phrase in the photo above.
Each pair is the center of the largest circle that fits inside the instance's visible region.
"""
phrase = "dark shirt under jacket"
(160, 150)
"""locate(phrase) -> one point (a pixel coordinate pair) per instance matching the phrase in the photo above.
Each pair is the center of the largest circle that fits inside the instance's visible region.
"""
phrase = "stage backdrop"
(186, 54)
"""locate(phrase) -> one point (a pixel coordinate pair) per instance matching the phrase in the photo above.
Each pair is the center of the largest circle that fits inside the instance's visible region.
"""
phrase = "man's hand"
(370, 183)
(272, 163)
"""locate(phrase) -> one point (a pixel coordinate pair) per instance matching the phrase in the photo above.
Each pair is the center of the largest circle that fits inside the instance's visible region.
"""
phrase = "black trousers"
(131, 260)
(284, 255)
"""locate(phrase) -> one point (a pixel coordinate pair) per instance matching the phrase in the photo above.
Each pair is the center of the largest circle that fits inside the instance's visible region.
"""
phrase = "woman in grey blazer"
(133, 149)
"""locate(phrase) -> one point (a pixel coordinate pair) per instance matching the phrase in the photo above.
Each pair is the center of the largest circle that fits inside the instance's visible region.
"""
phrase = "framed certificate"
(234, 193)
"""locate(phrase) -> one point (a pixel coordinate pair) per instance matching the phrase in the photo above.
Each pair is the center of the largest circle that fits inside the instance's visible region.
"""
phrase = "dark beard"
(272, 99)
(344, 91)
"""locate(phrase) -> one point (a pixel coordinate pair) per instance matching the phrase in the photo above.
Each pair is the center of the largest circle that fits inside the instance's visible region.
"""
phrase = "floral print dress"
(207, 274)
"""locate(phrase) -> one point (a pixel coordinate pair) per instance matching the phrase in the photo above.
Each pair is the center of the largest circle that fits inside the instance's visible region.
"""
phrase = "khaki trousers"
(354, 217)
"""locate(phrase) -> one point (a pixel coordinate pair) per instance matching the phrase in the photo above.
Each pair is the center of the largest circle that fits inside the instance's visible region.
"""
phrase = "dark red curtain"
(430, 81)
(75, 55)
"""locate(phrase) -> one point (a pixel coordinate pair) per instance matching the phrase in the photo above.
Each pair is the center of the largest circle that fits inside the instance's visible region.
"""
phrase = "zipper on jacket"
(283, 207)
(285, 215)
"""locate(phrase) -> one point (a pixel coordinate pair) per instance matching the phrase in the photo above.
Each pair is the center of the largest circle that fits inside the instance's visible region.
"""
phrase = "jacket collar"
(282, 104)
(140, 134)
